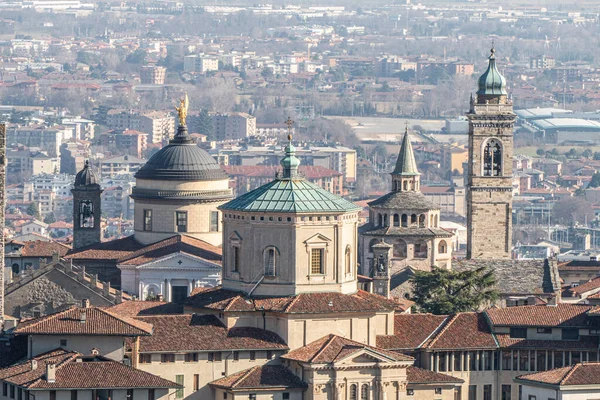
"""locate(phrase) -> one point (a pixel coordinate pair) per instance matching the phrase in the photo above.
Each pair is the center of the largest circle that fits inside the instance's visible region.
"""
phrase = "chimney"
(33, 364)
(85, 303)
(160, 297)
(82, 317)
(50, 373)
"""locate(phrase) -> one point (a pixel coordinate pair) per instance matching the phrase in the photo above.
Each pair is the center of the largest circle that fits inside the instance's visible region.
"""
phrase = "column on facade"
(141, 291)
(169, 287)
(437, 362)
(431, 361)
(468, 361)
(190, 287)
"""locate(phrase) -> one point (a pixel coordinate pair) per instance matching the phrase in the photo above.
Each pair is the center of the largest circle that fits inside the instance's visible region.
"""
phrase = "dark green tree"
(540, 152)
(50, 218)
(34, 210)
(595, 182)
(205, 123)
(443, 291)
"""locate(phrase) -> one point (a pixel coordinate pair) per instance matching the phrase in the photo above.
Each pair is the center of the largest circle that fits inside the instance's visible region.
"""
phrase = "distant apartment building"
(272, 130)
(43, 164)
(542, 62)
(233, 126)
(72, 156)
(200, 64)
(23, 163)
(133, 143)
(392, 65)
(338, 158)
(249, 177)
(42, 137)
(120, 165)
(159, 126)
(152, 75)
(84, 129)
(59, 184)
(450, 199)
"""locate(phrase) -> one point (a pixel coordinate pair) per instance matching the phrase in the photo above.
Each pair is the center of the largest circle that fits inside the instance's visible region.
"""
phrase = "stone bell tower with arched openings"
(489, 187)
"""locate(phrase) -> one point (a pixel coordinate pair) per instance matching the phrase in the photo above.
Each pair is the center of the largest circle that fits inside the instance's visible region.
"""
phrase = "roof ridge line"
(568, 375)
(434, 331)
(324, 346)
(49, 317)
(444, 329)
(244, 375)
(125, 320)
(292, 303)
(73, 355)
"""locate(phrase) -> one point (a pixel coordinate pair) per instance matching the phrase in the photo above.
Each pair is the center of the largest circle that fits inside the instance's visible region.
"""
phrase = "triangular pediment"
(365, 356)
(235, 237)
(178, 260)
(317, 239)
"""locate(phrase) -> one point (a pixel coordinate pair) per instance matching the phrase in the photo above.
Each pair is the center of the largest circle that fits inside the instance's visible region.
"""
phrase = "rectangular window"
(438, 390)
(63, 342)
(151, 394)
(217, 356)
(410, 392)
(181, 221)
(52, 395)
(191, 357)
(73, 394)
(457, 361)
(235, 259)
(540, 359)
(487, 392)
(594, 332)
(285, 396)
(558, 359)
(545, 331)
(472, 392)
(506, 360)
(12, 393)
(4, 389)
(20, 394)
(252, 396)
(236, 356)
(167, 358)
(179, 381)
(269, 354)
(570, 334)
(518, 333)
(147, 220)
(316, 261)
(532, 397)
(523, 360)
(253, 355)
(506, 392)
(145, 358)
(129, 395)
(214, 221)
(196, 382)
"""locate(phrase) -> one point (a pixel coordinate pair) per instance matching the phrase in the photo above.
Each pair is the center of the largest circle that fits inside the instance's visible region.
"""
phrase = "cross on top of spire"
(289, 124)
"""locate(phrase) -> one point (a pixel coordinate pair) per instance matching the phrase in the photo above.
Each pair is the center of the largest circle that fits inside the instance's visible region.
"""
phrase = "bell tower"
(489, 187)
(86, 208)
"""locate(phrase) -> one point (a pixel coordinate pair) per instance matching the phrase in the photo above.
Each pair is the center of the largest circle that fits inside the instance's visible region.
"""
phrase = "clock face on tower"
(86, 214)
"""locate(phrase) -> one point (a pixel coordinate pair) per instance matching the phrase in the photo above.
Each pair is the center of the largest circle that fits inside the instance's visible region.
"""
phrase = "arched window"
(86, 214)
(353, 392)
(431, 220)
(442, 247)
(404, 220)
(405, 185)
(385, 220)
(435, 221)
(396, 220)
(364, 392)
(492, 158)
(271, 254)
(348, 260)
(399, 248)
(420, 249)
(413, 219)
(372, 243)
(422, 220)
(380, 220)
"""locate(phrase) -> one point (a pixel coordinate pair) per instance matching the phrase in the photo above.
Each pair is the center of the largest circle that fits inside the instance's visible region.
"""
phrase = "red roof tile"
(333, 348)
(573, 375)
(190, 332)
(463, 331)
(416, 375)
(76, 372)
(588, 286)
(40, 248)
(543, 315)
(584, 342)
(261, 377)
(97, 321)
(113, 250)
(411, 331)
(142, 308)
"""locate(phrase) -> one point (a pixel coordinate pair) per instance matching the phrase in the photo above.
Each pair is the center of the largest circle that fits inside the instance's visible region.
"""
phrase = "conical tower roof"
(406, 164)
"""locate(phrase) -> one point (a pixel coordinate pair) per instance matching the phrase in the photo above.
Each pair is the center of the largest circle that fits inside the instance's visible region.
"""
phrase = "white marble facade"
(172, 276)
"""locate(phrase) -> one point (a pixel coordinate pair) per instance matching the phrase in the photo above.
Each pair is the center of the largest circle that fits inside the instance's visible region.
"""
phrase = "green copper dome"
(290, 192)
(492, 82)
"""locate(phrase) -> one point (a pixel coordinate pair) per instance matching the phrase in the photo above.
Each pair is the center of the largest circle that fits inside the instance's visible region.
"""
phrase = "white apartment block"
(44, 138)
(200, 64)
(158, 125)
(233, 126)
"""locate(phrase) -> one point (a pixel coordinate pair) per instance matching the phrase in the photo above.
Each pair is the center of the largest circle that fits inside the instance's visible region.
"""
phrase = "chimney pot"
(51, 373)
(160, 297)
(85, 303)
(34, 364)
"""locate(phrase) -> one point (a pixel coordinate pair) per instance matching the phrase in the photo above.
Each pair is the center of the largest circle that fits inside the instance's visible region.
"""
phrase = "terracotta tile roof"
(588, 286)
(411, 331)
(98, 321)
(584, 342)
(40, 248)
(174, 244)
(76, 372)
(113, 250)
(261, 377)
(561, 315)
(463, 331)
(333, 348)
(140, 308)
(416, 375)
(305, 303)
(573, 375)
(190, 332)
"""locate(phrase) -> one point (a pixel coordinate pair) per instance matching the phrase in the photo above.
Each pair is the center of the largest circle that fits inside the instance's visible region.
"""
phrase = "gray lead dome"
(86, 176)
(183, 160)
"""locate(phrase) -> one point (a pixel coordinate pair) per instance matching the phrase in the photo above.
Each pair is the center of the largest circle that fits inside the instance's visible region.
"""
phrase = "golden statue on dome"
(182, 110)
